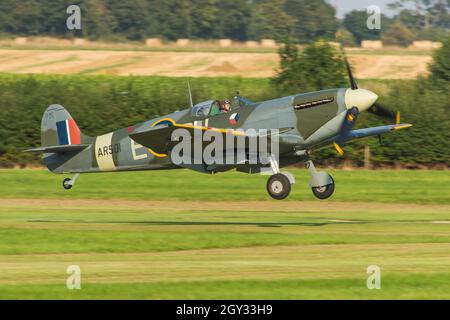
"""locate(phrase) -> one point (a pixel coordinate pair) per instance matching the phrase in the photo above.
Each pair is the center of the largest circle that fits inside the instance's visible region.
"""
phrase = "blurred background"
(113, 63)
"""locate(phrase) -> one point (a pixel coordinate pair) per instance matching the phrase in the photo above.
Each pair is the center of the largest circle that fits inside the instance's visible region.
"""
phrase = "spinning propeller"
(360, 95)
(377, 109)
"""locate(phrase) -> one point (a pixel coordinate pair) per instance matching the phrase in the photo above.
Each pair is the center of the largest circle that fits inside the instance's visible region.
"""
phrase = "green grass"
(166, 235)
(401, 287)
(359, 185)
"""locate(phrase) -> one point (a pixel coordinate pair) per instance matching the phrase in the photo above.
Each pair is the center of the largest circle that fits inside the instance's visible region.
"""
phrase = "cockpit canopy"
(202, 109)
(212, 107)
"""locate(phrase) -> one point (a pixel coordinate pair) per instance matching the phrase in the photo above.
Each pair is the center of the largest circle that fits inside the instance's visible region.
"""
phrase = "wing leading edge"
(375, 131)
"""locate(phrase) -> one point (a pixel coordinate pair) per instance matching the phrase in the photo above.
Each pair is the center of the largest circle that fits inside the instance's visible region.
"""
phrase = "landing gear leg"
(69, 183)
(279, 185)
(322, 184)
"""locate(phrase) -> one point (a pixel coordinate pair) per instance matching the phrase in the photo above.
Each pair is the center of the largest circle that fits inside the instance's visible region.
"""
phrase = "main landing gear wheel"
(279, 186)
(324, 192)
(67, 184)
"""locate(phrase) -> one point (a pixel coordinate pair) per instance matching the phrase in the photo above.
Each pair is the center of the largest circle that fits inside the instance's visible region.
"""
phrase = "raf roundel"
(234, 118)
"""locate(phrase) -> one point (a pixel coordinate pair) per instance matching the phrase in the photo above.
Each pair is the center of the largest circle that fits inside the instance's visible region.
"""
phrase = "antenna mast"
(190, 95)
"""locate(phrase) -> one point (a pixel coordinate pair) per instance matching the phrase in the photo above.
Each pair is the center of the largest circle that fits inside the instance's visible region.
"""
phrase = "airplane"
(304, 122)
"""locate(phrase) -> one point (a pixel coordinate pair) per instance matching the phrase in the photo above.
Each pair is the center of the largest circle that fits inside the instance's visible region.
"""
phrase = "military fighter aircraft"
(304, 122)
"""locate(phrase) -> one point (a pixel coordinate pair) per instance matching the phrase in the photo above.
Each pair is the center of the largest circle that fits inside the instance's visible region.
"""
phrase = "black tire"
(66, 184)
(324, 192)
(279, 187)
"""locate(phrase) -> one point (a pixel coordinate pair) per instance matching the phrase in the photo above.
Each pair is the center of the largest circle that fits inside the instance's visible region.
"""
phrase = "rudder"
(59, 128)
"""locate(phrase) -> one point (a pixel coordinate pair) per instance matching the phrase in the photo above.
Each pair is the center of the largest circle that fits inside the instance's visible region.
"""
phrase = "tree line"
(173, 19)
(302, 21)
(413, 20)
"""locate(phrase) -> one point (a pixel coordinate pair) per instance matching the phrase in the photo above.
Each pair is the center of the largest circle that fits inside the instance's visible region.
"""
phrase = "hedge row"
(102, 103)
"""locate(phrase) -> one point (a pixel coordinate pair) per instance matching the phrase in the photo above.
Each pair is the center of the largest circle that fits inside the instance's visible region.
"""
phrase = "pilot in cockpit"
(220, 106)
(225, 107)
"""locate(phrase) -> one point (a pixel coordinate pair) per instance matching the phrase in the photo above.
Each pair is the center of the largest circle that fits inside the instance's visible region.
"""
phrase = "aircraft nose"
(360, 98)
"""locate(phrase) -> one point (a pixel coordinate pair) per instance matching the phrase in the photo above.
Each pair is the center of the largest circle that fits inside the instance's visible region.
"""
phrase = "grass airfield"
(183, 235)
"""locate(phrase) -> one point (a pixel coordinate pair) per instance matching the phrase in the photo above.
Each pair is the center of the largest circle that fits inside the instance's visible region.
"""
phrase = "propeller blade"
(376, 109)
(353, 83)
(385, 112)
(347, 127)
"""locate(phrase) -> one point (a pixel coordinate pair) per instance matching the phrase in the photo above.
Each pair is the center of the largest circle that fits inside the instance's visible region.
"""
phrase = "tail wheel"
(279, 187)
(324, 192)
(66, 184)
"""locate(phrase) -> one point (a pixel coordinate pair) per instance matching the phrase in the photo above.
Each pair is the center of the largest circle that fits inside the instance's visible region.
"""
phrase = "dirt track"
(195, 64)
(218, 205)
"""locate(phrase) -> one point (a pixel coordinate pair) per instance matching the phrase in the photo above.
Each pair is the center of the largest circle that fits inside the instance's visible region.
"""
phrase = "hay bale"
(183, 42)
(437, 45)
(153, 42)
(78, 42)
(268, 43)
(21, 40)
(252, 44)
(50, 41)
(371, 44)
(423, 45)
(225, 43)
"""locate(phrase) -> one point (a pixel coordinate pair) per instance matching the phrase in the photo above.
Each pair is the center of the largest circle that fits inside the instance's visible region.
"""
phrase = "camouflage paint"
(311, 119)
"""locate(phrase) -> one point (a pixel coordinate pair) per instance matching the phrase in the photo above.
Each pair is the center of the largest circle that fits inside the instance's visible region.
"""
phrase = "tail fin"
(61, 140)
(58, 128)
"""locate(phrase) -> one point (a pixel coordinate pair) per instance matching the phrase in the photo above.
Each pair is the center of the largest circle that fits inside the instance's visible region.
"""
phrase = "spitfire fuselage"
(314, 118)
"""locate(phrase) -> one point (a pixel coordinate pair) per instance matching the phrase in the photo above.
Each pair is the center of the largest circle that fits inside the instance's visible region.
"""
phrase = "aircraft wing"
(60, 149)
(155, 138)
(376, 131)
(158, 138)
